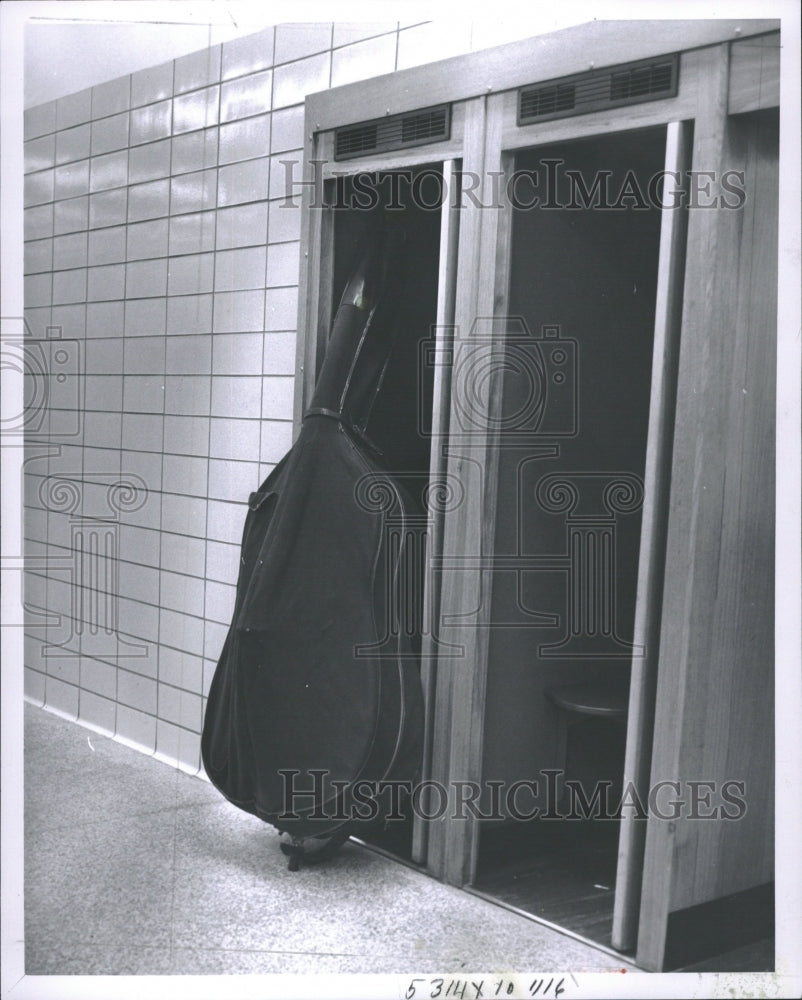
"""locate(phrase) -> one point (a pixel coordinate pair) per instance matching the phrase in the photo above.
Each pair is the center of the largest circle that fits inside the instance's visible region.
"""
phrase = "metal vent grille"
(639, 82)
(414, 128)
(547, 101)
(615, 86)
(356, 140)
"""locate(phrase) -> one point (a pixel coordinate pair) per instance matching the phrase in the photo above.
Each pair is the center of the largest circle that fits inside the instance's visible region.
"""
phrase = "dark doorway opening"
(583, 278)
(405, 201)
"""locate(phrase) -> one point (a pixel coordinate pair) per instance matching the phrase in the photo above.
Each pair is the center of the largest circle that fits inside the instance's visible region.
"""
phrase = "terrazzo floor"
(132, 867)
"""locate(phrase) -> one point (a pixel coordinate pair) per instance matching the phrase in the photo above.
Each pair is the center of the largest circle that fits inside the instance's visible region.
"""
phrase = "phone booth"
(581, 399)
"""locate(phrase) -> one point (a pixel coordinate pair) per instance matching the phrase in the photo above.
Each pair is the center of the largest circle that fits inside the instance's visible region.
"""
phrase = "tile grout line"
(161, 517)
(267, 263)
(122, 373)
(163, 427)
(212, 335)
(79, 610)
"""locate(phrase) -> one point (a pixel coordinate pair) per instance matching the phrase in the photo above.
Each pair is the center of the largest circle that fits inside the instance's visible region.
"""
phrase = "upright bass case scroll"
(316, 700)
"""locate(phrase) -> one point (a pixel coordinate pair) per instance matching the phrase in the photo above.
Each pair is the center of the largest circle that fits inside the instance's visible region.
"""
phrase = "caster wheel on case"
(312, 850)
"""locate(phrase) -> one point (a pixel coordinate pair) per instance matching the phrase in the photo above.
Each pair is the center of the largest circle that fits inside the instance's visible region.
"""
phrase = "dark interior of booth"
(399, 424)
(396, 201)
(583, 278)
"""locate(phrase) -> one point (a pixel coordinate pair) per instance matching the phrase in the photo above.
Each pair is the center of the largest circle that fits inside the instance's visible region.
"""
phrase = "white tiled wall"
(161, 282)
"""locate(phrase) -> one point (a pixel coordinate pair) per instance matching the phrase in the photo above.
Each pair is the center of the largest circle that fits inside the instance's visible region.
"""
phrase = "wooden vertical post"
(444, 334)
(657, 480)
(469, 529)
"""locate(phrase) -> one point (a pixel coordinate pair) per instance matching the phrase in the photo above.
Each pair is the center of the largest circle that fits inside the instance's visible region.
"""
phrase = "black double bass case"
(315, 706)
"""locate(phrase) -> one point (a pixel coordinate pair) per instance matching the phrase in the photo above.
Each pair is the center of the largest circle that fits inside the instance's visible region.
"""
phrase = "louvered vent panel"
(414, 128)
(614, 86)
(547, 101)
(357, 140)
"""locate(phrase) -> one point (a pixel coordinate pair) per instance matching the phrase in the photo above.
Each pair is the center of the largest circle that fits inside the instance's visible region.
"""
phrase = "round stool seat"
(604, 698)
